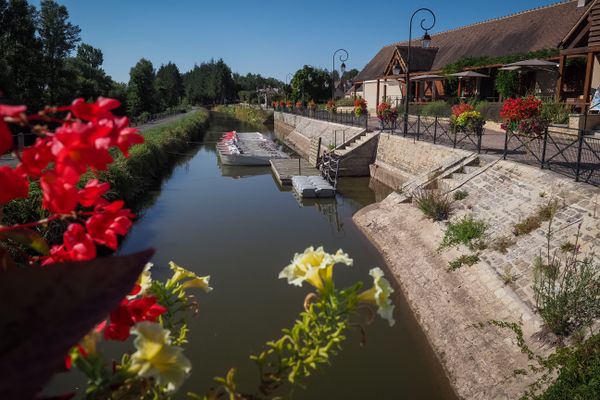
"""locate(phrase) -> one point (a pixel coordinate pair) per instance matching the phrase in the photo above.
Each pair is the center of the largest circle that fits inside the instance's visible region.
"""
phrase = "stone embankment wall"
(400, 159)
(480, 362)
(297, 131)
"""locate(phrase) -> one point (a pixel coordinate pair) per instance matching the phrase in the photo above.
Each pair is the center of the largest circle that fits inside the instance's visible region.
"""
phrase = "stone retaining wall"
(400, 159)
(308, 128)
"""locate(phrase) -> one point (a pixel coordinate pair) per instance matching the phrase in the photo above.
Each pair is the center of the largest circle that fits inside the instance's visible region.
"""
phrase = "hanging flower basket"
(523, 116)
(387, 115)
(360, 107)
(331, 106)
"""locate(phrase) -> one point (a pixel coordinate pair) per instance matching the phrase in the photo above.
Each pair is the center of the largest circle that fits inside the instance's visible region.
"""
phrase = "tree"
(90, 80)
(210, 83)
(20, 54)
(311, 83)
(169, 85)
(58, 37)
(141, 90)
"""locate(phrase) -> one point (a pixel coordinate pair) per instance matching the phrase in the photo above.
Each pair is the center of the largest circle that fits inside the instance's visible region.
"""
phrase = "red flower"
(58, 254)
(108, 222)
(94, 111)
(59, 196)
(92, 193)
(79, 244)
(13, 184)
(129, 313)
(127, 138)
(458, 109)
(36, 158)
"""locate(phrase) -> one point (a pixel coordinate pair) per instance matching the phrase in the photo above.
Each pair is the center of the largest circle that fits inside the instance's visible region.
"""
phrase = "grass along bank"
(254, 116)
(130, 178)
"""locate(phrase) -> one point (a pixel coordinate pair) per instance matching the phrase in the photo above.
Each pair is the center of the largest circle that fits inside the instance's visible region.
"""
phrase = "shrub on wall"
(436, 109)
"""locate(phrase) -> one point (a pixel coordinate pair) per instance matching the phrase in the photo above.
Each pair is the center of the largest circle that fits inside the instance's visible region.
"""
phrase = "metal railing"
(566, 151)
(342, 117)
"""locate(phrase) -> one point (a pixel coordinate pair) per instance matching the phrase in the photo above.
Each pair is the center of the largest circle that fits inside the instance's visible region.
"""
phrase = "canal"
(237, 226)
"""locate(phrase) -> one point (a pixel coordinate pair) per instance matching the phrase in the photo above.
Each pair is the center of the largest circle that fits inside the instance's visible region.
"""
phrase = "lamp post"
(343, 58)
(426, 42)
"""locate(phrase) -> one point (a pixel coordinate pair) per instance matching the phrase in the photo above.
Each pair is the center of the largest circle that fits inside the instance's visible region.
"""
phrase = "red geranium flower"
(129, 313)
(13, 184)
(79, 243)
(59, 196)
(108, 222)
(94, 111)
(92, 193)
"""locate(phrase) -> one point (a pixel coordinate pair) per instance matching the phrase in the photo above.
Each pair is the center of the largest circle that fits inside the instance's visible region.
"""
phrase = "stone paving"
(507, 193)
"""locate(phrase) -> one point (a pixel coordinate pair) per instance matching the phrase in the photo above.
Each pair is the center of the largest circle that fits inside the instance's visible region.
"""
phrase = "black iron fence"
(437, 131)
(341, 117)
(566, 151)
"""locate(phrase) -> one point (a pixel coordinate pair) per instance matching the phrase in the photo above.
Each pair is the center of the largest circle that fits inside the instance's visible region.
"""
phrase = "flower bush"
(464, 118)
(312, 105)
(387, 113)
(288, 104)
(281, 104)
(330, 106)
(524, 116)
(299, 105)
(458, 109)
(360, 107)
(275, 104)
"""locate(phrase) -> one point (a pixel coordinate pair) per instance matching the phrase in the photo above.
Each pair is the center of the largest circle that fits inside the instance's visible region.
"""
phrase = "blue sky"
(267, 37)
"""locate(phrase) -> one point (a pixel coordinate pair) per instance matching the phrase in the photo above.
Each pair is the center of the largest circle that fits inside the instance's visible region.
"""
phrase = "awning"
(469, 74)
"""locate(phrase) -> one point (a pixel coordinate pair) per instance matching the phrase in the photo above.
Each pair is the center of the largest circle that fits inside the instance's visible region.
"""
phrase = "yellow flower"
(89, 342)
(156, 358)
(379, 295)
(314, 267)
(198, 282)
(179, 273)
(145, 279)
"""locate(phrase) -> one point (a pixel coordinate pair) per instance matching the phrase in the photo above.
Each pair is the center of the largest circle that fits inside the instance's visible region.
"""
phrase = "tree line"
(43, 61)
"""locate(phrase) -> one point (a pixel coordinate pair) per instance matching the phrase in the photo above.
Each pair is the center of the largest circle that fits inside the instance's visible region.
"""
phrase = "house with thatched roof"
(485, 47)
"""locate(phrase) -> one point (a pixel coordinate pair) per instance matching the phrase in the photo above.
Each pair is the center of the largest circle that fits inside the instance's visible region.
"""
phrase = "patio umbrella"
(427, 78)
(534, 63)
(469, 74)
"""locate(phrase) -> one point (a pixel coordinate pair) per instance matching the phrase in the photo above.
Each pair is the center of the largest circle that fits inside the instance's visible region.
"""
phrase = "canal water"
(239, 227)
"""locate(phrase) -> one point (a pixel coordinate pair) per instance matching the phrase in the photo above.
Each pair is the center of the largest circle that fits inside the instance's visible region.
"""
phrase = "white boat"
(247, 148)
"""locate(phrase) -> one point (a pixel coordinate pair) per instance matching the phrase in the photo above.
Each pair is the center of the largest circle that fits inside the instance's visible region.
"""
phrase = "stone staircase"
(357, 154)
(354, 143)
(446, 178)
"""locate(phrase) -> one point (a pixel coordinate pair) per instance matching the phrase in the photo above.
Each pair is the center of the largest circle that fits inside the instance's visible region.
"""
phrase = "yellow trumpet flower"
(198, 282)
(179, 273)
(156, 358)
(314, 267)
(379, 295)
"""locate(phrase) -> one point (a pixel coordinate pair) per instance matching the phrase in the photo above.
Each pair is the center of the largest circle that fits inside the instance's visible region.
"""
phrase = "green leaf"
(29, 238)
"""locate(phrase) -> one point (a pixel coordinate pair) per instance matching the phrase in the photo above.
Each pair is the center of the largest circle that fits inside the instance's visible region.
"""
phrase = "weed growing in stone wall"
(567, 289)
(464, 231)
(435, 205)
(460, 195)
(464, 260)
(533, 222)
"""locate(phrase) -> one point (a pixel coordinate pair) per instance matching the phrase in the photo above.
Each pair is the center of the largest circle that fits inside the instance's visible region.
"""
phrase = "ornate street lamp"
(425, 43)
(343, 58)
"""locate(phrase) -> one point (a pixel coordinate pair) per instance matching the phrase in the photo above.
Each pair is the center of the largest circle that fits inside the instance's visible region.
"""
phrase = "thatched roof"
(523, 32)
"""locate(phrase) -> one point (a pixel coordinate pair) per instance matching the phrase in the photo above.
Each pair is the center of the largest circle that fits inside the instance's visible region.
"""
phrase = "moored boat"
(247, 148)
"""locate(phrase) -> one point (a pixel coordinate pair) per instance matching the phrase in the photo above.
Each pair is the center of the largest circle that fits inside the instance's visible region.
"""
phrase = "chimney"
(582, 3)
